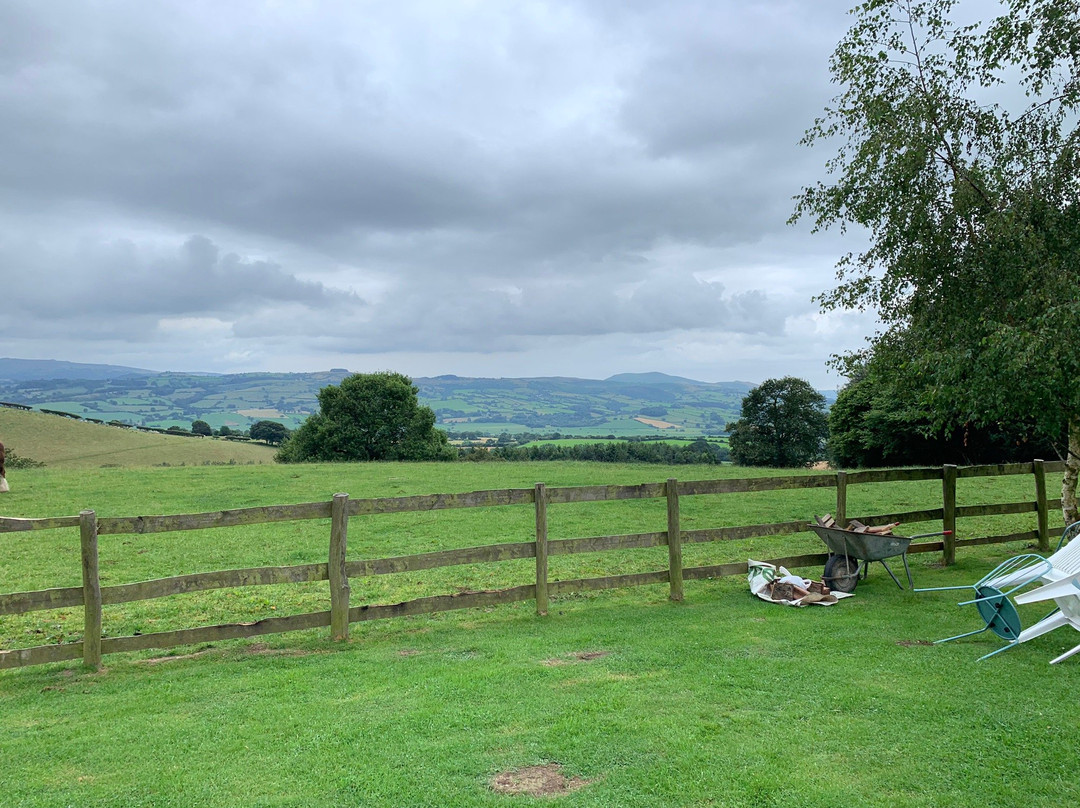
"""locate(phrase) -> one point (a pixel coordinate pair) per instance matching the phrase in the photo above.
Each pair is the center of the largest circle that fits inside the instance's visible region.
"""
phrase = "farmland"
(625, 406)
(719, 700)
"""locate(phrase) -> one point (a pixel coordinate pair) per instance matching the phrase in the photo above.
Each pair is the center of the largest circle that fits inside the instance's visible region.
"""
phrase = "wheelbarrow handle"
(928, 535)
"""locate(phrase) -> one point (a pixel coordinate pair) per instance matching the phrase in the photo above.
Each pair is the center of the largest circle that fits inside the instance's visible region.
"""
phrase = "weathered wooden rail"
(337, 571)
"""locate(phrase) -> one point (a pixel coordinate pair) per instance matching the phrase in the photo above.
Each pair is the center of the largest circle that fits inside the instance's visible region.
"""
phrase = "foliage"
(372, 416)
(783, 425)
(16, 461)
(875, 422)
(972, 205)
(201, 428)
(270, 432)
(698, 451)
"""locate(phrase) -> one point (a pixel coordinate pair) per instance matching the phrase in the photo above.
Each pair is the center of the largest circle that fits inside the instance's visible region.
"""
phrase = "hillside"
(64, 443)
(21, 370)
(630, 404)
(624, 405)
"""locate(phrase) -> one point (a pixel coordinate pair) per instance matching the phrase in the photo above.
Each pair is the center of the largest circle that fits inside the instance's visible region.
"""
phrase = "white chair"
(1061, 584)
(1059, 575)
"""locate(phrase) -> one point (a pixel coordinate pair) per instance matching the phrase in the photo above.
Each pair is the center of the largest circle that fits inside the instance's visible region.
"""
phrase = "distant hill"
(20, 370)
(649, 378)
(624, 405)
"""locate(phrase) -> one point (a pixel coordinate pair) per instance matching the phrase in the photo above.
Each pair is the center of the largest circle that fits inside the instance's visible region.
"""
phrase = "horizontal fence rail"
(337, 570)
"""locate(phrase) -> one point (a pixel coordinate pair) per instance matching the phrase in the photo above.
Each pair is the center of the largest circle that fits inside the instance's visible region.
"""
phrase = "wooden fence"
(338, 570)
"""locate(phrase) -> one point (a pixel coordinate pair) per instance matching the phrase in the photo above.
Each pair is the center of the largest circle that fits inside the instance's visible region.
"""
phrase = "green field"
(721, 700)
(65, 443)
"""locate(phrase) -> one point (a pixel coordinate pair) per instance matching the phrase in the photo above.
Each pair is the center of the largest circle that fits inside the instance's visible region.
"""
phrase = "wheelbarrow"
(847, 548)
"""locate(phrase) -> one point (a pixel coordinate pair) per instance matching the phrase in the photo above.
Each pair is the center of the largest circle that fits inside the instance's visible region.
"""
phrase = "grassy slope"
(65, 443)
(720, 701)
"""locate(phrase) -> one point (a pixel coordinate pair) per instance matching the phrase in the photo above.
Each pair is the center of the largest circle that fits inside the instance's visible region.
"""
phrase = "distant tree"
(369, 416)
(269, 432)
(201, 428)
(224, 431)
(783, 424)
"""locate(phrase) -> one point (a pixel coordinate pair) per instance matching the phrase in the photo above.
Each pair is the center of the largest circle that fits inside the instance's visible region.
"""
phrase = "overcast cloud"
(575, 188)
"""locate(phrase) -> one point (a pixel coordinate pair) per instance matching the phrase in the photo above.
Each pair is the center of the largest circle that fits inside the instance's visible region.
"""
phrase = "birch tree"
(956, 153)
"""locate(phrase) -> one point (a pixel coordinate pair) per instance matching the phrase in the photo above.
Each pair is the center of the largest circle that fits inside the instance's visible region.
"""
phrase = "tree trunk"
(1069, 508)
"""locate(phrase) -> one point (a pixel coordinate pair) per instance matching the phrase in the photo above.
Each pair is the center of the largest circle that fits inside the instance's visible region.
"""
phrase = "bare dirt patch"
(263, 649)
(537, 781)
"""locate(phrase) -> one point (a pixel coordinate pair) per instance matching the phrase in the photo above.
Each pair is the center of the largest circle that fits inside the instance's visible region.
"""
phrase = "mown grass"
(722, 700)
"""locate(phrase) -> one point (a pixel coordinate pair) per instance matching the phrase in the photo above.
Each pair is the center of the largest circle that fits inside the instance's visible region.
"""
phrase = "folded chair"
(999, 614)
(1062, 586)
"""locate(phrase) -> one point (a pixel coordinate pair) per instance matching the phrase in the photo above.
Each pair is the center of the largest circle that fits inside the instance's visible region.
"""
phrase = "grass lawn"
(722, 700)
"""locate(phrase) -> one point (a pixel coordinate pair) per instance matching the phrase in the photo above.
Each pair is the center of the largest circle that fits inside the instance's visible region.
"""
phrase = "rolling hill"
(66, 443)
(625, 405)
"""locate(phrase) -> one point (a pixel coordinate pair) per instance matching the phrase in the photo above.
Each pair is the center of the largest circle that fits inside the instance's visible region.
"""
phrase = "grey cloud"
(119, 287)
(465, 318)
(447, 152)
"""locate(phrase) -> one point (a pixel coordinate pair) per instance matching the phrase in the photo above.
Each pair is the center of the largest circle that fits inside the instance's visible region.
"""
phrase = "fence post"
(948, 516)
(540, 494)
(339, 580)
(841, 499)
(91, 590)
(674, 541)
(1042, 506)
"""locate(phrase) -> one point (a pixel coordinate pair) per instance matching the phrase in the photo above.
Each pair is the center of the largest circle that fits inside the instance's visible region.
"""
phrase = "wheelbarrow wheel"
(841, 573)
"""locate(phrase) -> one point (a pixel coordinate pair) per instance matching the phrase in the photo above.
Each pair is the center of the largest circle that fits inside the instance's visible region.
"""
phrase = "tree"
(876, 422)
(201, 428)
(270, 432)
(958, 154)
(783, 424)
(372, 416)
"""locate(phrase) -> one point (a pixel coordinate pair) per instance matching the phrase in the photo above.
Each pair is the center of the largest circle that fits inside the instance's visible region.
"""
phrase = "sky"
(471, 187)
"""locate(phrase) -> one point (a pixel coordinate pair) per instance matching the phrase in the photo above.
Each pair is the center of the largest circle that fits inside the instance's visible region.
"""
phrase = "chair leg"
(1013, 644)
(1055, 620)
(1066, 655)
(961, 636)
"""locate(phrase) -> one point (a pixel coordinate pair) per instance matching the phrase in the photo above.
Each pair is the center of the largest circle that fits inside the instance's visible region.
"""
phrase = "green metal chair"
(993, 590)
(992, 593)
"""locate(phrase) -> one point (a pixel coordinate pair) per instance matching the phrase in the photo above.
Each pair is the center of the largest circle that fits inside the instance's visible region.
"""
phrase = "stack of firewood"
(855, 526)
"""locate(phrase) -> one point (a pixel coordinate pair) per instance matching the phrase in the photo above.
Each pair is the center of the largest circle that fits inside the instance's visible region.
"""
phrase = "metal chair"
(992, 593)
(991, 599)
(1062, 586)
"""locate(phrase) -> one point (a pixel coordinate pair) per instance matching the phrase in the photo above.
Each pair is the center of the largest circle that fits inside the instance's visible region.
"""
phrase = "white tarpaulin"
(762, 575)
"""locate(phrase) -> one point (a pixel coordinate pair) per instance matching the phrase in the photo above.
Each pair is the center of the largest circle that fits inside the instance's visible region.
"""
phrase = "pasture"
(66, 443)
(721, 700)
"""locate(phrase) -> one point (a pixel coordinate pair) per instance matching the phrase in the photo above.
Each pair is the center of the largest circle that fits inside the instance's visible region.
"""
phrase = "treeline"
(698, 452)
